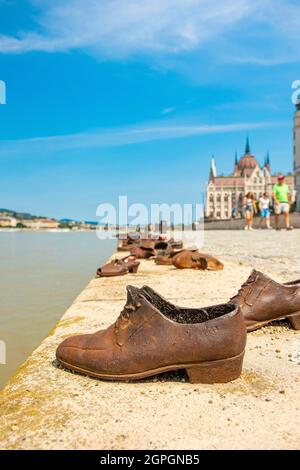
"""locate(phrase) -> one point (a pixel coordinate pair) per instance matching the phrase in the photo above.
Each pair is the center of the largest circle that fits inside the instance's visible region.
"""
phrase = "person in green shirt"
(282, 202)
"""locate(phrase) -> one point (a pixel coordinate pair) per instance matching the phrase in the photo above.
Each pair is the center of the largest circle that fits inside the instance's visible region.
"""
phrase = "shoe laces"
(125, 314)
(243, 291)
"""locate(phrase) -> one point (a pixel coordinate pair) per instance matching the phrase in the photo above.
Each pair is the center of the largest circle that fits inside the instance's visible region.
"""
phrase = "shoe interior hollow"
(186, 315)
(292, 283)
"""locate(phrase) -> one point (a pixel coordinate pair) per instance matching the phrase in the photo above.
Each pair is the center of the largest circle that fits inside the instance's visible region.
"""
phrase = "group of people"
(281, 197)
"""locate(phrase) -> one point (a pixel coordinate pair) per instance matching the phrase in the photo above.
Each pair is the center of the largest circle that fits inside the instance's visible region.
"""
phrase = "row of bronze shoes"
(164, 252)
(151, 335)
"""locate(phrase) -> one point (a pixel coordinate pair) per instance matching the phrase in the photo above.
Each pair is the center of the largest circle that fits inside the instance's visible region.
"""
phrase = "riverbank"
(231, 224)
(44, 407)
(45, 230)
(40, 275)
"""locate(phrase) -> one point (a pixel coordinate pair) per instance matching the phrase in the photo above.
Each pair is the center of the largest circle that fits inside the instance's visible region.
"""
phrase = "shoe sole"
(221, 371)
(294, 320)
(112, 275)
(131, 270)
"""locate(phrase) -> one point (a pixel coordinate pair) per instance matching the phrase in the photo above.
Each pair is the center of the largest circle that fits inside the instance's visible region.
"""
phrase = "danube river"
(40, 275)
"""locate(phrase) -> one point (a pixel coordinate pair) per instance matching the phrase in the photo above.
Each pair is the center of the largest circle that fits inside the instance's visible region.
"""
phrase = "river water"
(40, 275)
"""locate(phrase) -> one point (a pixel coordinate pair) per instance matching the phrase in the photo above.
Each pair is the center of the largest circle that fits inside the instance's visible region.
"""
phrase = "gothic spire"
(247, 149)
(236, 158)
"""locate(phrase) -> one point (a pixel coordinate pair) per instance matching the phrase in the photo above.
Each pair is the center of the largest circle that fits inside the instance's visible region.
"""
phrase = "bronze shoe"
(176, 244)
(263, 300)
(142, 252)
(195, 260)
(152, 336)
(124, 247)
(132, 239)
(119, 267)
(164, 260)
(165, 257)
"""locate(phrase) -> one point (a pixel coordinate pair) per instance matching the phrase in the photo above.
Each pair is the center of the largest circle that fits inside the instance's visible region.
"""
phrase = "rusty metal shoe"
(119, 267)
(263, 300)
(124, 247)
(127, 242)
(165, 260)
(152, 336)
(195, 260)
(165, 257)
(131, 263)
(142, 252)
(176, 244)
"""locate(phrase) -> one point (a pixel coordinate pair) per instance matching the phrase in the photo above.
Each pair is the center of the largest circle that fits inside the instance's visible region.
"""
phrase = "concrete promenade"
(45, 407)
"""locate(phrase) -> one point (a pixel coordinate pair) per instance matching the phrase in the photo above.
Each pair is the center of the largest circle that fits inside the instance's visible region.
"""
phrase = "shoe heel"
(221, 371)
(295, 320)
(134, 269)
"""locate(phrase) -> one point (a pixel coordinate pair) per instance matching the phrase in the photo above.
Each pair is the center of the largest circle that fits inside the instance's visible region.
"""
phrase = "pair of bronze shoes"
(119, 267)
(189, 258)
(151, 335)
(149, 248)
(145, 248)
(131, 240)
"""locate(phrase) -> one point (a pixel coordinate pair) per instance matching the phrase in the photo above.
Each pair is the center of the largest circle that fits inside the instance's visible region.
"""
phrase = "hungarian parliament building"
(224, 196)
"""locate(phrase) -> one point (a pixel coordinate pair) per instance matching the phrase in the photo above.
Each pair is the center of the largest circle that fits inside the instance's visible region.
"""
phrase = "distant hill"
(17, 215)
(28, 216)
(7, 211)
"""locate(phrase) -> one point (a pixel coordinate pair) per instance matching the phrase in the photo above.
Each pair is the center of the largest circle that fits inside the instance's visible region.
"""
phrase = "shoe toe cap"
(72, 350)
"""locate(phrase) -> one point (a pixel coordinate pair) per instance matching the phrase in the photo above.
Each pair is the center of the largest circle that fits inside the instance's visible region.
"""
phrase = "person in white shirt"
(264, 210)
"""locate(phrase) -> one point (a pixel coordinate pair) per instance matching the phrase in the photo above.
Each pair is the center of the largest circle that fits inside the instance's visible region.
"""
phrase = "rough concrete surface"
(45, 407)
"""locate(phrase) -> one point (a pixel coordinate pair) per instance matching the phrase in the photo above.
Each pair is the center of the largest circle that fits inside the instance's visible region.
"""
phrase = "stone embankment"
(45, 407)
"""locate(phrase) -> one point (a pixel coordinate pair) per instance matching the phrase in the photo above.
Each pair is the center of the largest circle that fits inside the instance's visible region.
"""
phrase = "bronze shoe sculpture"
(142, 252)
(132, 239)
(194, 260)
(263, 300)
(119, 267)
(165, 257)
(125, 247)
(176, 244)
(152, 336)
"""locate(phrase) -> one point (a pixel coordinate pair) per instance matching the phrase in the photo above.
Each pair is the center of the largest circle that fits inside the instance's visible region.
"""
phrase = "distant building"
(6, 221)
(23, 215)
(224, 196)
(38, 224)
(297, 152)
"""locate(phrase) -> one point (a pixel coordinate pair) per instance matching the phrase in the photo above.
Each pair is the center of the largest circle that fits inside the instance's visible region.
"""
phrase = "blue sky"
(133, 97)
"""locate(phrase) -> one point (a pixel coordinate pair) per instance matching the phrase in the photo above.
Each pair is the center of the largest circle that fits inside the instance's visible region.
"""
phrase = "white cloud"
(121, 136)
(124, 27)
(168, 110)
(262, 32)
